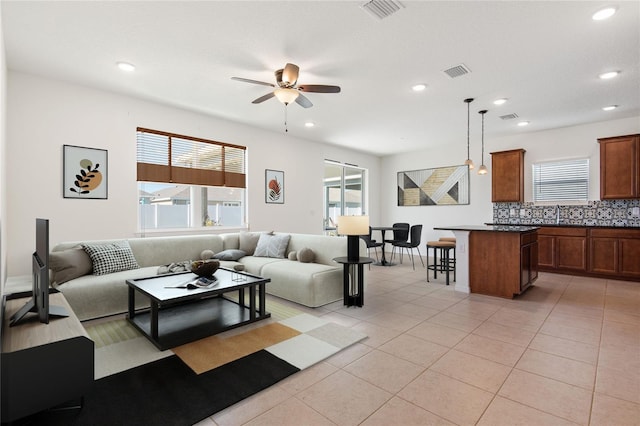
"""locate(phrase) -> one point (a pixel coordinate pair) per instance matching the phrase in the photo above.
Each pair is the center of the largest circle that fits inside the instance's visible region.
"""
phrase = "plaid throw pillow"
(111, 257)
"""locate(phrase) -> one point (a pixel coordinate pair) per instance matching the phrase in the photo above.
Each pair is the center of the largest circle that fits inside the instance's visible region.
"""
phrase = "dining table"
(383, 230)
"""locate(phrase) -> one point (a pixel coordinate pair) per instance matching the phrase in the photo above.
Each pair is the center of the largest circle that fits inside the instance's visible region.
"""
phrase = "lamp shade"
(353, 225)
(286, 96)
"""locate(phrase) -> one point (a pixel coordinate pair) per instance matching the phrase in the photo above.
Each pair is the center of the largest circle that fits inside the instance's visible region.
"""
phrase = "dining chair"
(414, 242)
(400, 234)
(371, 244)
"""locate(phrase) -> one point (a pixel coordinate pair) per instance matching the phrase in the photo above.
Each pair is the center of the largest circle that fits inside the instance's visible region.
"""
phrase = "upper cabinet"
(507, 176)
(620, 167)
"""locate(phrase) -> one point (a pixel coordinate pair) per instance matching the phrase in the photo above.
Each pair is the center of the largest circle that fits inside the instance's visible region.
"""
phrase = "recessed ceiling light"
(309, 124)
(605, 13)
(500, 101)
(610, 107)
(523, 123)
(125, 66)
(608, 75)
(419, 87)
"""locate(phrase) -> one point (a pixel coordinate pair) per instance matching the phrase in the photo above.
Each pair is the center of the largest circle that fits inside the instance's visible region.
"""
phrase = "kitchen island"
(498, 260)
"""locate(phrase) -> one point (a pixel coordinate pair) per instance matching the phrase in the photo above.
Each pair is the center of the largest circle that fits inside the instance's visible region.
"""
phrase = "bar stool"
(453, 259)
(445, 266)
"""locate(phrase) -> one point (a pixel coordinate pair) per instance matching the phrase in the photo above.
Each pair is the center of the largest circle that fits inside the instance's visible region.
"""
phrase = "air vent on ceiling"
(381, 9)
(457, 71)
(509, 116)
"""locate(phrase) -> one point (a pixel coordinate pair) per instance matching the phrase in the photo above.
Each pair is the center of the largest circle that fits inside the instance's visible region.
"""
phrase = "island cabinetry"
(507, 176)
(620, 167)
(615, 252)
(43, 365)
(562, 249)
(502, 264)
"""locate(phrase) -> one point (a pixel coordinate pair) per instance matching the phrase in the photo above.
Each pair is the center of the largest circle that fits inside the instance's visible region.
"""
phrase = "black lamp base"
(353, 247)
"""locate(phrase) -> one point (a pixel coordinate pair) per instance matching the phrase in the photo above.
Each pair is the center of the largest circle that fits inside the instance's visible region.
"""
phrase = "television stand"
(36, 372)
(30, 306)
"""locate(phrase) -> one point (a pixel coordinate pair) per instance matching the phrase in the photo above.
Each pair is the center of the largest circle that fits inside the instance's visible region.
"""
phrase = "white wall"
(43, 115)
(569, 142)
(3, 201)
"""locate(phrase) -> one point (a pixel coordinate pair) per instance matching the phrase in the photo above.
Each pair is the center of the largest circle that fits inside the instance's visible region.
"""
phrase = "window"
(186, 182)
(343, 192)
(566, 180)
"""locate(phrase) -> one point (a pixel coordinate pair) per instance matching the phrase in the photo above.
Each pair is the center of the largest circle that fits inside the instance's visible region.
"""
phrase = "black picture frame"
(274, 186)
(84, 173)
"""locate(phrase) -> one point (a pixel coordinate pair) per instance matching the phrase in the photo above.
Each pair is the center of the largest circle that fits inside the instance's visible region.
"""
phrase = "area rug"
(167, 391)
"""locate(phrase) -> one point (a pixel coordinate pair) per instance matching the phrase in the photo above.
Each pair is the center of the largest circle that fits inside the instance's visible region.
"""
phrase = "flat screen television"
(39, 302)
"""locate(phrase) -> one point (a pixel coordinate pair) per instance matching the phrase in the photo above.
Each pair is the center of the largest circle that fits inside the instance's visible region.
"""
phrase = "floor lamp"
(353, 227)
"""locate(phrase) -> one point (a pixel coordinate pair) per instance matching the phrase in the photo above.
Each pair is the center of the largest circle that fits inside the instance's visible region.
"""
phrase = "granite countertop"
(563, 225)
(490, 228)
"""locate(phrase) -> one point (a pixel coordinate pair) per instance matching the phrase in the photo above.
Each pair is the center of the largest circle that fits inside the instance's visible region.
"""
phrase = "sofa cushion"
(230, 254)
(306, 255)
(249, 241)
(69, 264)
(111, 257)
(272, 245)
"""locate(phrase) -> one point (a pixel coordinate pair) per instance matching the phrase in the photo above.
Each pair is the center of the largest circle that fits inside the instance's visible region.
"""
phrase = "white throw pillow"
(272, 245)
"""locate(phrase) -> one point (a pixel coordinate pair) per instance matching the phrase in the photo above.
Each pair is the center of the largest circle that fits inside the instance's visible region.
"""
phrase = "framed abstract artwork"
(274, 186)
(84, 172)
(442, 186)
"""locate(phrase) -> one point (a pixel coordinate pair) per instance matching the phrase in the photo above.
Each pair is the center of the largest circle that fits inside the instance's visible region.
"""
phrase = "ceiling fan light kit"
(285, 95)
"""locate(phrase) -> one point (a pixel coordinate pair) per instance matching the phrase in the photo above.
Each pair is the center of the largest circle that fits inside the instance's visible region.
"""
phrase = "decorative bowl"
(205, 268)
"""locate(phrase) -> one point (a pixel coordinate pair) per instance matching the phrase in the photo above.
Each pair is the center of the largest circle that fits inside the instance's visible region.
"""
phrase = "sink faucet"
(557, 215)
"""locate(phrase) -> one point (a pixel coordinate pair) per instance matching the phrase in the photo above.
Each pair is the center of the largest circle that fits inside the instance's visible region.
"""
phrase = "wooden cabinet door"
(507, 176)
(546, 251)
(535, 261)
(603, 255)
(571, 253)
(619, 168)
(629, 256)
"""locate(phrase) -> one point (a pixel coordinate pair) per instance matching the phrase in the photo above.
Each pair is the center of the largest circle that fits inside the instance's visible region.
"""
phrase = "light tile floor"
(566, 352)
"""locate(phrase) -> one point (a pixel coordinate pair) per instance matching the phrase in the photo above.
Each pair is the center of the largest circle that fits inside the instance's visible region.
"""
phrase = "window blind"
(172, 158)
(566, 180)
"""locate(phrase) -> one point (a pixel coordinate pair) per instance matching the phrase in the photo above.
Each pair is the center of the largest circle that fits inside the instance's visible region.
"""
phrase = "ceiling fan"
(286, 89)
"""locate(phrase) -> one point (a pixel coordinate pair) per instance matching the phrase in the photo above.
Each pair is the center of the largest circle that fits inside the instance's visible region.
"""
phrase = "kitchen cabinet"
(502, 263)
(615, 252)
(620, 167)
(507, 176)
(562, 248)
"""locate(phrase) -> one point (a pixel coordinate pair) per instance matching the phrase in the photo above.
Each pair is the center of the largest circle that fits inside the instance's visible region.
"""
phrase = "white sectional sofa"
(311, 284)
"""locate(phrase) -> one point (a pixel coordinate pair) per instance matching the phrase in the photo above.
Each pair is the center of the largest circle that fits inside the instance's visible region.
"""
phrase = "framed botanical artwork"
(273, 186)
(440, 186)
(84, 172)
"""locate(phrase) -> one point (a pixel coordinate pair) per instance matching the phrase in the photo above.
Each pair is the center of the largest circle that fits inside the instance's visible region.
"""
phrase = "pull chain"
(285, 119)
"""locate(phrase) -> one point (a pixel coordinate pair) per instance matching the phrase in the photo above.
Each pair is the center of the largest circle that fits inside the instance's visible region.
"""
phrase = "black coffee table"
(178, 315)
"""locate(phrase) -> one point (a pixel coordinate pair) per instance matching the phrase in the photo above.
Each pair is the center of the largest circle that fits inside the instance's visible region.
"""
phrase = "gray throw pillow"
(111, 257)
(306, 255)
(292, 255)
(230, 254)
(249, 241)
(272, 245)
(69, 264)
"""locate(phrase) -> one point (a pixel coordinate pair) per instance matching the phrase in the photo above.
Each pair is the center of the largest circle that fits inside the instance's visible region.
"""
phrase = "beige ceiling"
(543, 56)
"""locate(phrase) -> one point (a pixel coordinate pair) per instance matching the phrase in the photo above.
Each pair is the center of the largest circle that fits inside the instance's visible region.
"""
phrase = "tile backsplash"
(594, 213)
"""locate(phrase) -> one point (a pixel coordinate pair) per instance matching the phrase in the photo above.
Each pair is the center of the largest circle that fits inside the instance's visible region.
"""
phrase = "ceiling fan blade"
(319, 88)
(263, 98)
(246, 80)
(303, 101)
(290, 74)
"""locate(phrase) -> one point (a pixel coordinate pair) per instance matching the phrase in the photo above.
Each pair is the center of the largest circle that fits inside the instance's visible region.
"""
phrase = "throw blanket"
(174, 267)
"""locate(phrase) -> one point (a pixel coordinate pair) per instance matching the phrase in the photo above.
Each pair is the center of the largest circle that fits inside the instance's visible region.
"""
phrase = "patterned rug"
(192, 382)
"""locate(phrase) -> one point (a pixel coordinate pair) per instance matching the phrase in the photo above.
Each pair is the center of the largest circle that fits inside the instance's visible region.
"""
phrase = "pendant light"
(483, 169)
(468, 162)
